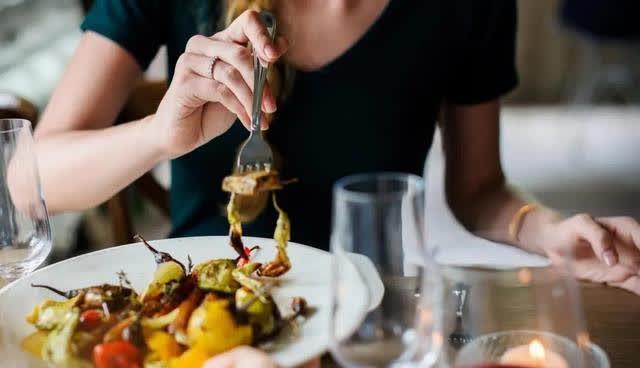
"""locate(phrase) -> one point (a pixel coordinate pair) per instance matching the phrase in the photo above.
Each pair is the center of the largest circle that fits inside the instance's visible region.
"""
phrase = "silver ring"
(212, 65)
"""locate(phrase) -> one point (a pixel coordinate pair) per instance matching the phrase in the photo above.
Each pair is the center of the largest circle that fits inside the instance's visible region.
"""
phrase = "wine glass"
(382, 315)
(526, 317)
(25, 233)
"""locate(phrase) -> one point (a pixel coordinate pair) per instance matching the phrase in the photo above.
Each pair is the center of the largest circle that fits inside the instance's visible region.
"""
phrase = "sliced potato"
(252, 182)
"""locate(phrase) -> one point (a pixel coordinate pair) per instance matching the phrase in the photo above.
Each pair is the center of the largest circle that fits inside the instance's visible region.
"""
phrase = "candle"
(533, 355)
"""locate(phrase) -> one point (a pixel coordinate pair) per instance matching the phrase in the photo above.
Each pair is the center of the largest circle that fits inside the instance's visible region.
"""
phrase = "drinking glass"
(518, 318)
(382, 315)
(25, 233)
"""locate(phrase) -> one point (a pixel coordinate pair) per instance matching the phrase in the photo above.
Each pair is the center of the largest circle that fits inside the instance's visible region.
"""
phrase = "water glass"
(524, 317)
(25, 233)
(381, 316)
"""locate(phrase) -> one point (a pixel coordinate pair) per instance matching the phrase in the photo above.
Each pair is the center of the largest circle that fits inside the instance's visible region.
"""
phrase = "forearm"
(83, 168)
(489, 215)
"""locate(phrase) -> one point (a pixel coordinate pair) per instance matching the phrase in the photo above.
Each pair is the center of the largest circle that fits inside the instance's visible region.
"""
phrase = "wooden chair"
(144, 100)
(16, 107)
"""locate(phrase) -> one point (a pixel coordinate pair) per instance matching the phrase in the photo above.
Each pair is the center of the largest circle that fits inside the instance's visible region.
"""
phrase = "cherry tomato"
(90, 319)
(116, 354)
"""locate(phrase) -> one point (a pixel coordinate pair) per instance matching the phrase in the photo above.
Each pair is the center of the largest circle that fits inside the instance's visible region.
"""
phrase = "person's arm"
(602, 249)
(83, 159)
(476, 189)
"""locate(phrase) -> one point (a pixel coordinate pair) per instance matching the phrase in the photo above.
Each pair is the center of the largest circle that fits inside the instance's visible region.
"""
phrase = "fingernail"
(610, 258)
(271, 106)
(271, 51)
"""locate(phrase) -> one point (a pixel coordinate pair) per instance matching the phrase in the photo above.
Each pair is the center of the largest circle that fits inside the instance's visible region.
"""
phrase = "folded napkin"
(455, 245)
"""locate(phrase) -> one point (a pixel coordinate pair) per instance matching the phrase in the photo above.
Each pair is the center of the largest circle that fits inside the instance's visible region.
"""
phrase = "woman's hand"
(213, 84)
(605, 249)
(247, 357)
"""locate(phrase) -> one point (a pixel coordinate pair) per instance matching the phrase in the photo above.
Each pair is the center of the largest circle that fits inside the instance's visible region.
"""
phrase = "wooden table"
(613, 319)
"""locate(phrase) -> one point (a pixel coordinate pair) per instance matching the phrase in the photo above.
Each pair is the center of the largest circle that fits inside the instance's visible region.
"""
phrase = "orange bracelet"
(516, 220)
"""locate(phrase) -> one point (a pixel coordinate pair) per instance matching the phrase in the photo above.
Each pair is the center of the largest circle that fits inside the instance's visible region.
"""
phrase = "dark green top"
(372, 109)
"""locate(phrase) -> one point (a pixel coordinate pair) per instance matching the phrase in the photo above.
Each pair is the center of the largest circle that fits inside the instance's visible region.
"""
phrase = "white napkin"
(455, 245)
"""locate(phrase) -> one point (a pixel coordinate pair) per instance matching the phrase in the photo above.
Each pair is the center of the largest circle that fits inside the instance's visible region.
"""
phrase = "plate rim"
(135, 244)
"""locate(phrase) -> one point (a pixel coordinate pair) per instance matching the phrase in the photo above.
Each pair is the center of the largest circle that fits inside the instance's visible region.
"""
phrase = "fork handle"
(260, 72)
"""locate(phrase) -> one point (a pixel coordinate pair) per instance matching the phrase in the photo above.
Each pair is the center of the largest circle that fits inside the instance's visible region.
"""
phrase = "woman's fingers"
(626, 229)
(619, 275)
(231, 77)
(632, 284)
(199, 66)
(599, 237)
(248, 27)
(241, 357)
(210, 90)
(235, 55)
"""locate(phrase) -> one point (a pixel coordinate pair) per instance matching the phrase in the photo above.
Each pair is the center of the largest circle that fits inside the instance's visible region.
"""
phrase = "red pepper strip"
(90, 319)
(241, 261)
(117, 354)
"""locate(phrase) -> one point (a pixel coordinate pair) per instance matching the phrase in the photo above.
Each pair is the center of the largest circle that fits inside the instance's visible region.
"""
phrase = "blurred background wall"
(571, 130)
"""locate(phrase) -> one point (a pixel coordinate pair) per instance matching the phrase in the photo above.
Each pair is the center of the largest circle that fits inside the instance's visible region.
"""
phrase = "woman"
(370, 79)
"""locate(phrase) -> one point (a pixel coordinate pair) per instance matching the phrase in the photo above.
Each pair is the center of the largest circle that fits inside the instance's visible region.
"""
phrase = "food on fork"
(250, 184)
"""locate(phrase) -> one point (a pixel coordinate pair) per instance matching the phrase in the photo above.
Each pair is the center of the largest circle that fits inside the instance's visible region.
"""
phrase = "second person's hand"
(213, 84)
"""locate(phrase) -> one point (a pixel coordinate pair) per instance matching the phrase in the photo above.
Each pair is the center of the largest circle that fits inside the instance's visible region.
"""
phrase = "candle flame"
(537, 350)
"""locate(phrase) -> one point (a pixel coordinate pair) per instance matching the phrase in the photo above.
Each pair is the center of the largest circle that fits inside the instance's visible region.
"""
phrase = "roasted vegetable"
(117, 354)
(115, 297)
(90, 319)
(160, 322)
(217, 275)
(252, 182)
(243, 276)
(34, 343)
(57, 348)
(165, 274)
(160, 257)
(168, 271)
(184, 311)
(235, 227)
(115, 332)
(262, 315)
(194, 357)
(162, 346)
(282, 234)
(51, 313)
(213, 326)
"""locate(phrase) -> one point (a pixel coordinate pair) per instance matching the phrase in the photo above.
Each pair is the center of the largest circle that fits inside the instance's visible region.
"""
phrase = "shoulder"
(138, 26)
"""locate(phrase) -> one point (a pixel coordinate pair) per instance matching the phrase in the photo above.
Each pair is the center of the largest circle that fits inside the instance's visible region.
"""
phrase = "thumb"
(241, 357)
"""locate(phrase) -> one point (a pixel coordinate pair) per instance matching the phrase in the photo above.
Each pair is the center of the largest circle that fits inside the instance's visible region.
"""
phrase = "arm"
(83, 159)
(476, 188)
(602, 249)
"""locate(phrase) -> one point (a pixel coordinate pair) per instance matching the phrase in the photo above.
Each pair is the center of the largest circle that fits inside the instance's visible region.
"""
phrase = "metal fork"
(459, 337)
(255, 153)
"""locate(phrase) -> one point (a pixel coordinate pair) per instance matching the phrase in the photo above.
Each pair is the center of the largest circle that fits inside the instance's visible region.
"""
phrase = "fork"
(255, 153)
(459, 337)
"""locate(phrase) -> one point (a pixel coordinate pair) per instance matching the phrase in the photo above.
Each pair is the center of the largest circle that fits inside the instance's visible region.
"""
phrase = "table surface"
(613, 320)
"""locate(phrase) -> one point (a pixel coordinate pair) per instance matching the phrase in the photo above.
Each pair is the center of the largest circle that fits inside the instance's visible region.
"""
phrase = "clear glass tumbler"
(381, 314)
(25, 233)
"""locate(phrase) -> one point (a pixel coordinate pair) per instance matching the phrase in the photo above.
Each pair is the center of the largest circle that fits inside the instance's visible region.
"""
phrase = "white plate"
(310, 277)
